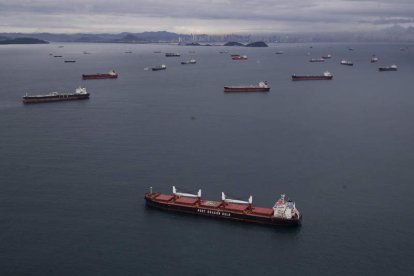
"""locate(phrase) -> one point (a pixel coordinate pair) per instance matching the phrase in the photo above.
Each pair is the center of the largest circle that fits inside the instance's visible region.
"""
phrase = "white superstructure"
(263, 84)
(285, 209)
(81, 91)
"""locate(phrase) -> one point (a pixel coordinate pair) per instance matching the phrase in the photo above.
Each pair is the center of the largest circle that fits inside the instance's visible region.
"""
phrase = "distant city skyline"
(203, 16)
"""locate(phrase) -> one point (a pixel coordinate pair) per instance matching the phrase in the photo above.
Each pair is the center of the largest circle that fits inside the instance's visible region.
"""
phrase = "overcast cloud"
(202, 16)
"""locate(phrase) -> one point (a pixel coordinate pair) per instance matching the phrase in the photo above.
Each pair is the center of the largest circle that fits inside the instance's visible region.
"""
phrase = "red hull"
(99, 76)
(215, 209)
(239, 58)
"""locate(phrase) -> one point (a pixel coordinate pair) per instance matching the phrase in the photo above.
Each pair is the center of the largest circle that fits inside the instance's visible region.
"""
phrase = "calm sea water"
(73, 174)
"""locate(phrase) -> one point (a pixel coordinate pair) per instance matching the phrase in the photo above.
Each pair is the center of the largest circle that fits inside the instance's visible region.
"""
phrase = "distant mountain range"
(21, 40)
(395, 33)
(145, 37)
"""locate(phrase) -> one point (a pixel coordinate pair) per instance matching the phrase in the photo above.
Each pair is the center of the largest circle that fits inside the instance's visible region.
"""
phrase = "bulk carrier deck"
(283, 213)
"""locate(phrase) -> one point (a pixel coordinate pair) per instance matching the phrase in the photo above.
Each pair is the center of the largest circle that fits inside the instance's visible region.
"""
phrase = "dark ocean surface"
(73, 174)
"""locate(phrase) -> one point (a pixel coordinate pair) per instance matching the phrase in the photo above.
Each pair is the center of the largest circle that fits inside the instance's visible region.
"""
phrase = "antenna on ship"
(151, 190)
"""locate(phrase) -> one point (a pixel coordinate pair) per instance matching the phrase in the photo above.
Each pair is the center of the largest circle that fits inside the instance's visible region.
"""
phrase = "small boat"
(79, 94)
(86, 53)
(347, 62)
(128, 52)
(191, 61)
(157, 52)
(261, 87)
(325, 76)
(67, 61)
(388, 68)
(374, 59)
(172, 54)
(328, 56)
(283, 213)
(159, 67)
(279, 52)
(238, 57)
(224, 52)
(60, 46)
(317, 60)
(111, 75)
(57, 56)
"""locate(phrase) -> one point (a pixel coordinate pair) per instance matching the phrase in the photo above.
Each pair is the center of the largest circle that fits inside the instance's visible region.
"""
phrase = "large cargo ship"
(326, 76)
(159, 67)
(191, 61)
(261, 87)
(172, 54)
(238, 57)
(79, 94)
(347, 62)
(388, 68)
(283, 213)
(317, 60)
(111, 75)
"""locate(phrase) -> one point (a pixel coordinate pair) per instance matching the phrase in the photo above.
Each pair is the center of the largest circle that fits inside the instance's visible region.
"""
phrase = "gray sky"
(202, 16)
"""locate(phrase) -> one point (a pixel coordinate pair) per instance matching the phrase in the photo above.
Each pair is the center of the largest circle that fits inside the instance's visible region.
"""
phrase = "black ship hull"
(54, 98)
(222, 214)
(228, 89)
(384, 69)
(303, 78)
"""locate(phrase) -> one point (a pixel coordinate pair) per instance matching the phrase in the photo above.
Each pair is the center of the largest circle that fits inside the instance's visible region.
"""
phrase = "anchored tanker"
(238, 57)
(388, 68)
(79, 94)
(283, 213)
(261, 87)
(326, 76)
(111, 75)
